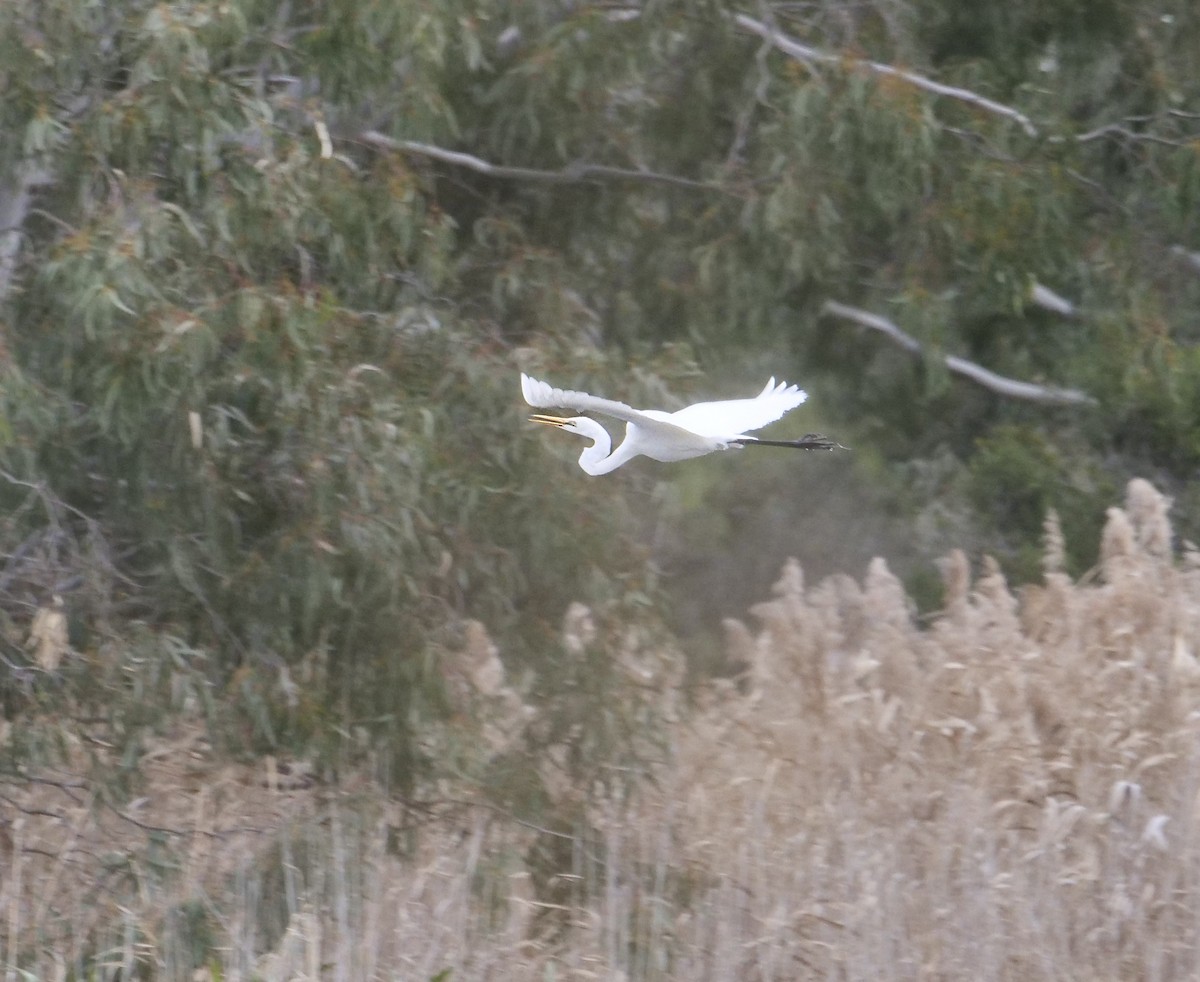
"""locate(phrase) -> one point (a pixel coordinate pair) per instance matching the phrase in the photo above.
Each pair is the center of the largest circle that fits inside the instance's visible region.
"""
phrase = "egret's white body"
(691, 432)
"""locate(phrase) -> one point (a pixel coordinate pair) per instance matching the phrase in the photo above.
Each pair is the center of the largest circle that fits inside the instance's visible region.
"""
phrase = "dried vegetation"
(1006, 792)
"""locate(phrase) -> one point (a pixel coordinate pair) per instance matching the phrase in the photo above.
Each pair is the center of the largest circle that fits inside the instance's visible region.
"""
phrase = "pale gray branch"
(1192, 259)
(572, 174)
(1001, 384)
(810, 55)
(1042, 296)
(16, 195)
(807, 54)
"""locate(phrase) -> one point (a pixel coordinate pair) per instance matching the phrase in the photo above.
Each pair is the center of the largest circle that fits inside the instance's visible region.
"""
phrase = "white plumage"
(691, 432)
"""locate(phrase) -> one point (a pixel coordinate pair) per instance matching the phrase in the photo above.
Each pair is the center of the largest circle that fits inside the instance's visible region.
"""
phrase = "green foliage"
(1010, 37)
(238, 357)
(1015, 477)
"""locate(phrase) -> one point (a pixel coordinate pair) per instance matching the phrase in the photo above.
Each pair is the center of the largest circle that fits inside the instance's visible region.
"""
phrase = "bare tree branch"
(1125, 133)
(1192, 259)
(1042, 296)
(808, 55)
(1013, 388)
(15, 198)
(571, 174)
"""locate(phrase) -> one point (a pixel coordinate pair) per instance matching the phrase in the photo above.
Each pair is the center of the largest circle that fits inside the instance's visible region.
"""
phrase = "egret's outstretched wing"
(735, 416)
(545, 396)
(657, 429)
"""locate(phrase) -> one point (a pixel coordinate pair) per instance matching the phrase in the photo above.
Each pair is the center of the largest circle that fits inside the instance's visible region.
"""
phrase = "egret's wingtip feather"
(536, 393)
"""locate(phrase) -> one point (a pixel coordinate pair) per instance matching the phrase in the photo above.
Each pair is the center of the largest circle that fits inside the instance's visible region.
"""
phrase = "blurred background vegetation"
(268, 273)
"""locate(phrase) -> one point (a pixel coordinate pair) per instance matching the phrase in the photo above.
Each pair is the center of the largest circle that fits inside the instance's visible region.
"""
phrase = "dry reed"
(1006, 793)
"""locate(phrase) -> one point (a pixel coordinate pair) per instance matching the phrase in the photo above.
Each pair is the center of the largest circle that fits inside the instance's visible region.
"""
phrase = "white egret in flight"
(691, 432)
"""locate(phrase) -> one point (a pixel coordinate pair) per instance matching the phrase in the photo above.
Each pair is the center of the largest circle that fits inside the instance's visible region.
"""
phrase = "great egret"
(691, 432)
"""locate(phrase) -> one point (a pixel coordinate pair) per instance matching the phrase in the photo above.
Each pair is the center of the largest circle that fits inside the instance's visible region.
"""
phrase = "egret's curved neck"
(599, 458)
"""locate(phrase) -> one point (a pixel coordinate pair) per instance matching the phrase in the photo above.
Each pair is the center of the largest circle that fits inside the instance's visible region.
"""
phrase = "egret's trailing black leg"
(810, 441)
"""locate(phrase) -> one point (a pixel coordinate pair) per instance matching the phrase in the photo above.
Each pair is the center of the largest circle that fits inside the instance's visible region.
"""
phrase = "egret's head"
(573, 424)
(583, 426)
(595, 459)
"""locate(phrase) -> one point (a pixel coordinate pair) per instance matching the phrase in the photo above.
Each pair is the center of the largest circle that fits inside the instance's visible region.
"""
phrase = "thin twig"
(43, 492)
(803, 52)
(36, 812)
(1001, 384)
(66, 787)
(61, 223)
(1118, 129)
(741, 131)
(428, 806)
(571, 174)
(218, 834)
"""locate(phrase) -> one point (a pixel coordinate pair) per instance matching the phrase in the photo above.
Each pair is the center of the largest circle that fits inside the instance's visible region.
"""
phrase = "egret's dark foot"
(810, 441)
(815, 441)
